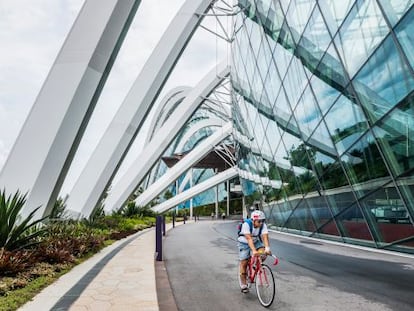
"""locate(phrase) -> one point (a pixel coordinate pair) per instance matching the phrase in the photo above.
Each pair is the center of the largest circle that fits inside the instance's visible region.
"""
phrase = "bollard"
(158, 238)
(173, 219)
(163, 225)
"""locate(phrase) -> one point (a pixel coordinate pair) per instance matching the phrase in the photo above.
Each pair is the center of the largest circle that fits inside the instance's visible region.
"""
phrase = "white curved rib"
(120, 134)
(165, 134)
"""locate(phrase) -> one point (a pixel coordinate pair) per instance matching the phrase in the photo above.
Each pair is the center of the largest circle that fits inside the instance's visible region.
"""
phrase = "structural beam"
(196, 190)
(162, 139)
(45, 147)
(119, 136)
(183, 165)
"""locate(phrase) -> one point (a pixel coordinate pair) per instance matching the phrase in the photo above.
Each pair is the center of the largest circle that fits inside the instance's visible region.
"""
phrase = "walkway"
(120, 277)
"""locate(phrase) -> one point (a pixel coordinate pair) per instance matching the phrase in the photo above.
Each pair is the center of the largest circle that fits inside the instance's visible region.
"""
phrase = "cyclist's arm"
(251, 244)
(265, 238)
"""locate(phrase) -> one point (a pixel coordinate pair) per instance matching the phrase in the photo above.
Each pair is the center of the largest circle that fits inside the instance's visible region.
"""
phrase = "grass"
(16, 298)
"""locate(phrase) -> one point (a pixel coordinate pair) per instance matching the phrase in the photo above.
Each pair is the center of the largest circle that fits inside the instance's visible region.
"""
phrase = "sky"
(31, 35)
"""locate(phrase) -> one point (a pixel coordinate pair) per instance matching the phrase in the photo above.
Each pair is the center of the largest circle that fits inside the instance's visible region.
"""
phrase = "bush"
(13, 262)
(16, 233)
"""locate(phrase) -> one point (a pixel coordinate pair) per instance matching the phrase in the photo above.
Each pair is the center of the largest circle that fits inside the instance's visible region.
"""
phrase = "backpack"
(250, 222)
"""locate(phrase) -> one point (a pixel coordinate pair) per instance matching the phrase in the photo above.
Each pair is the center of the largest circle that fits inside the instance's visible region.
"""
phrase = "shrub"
(16, 233)
(13, 262)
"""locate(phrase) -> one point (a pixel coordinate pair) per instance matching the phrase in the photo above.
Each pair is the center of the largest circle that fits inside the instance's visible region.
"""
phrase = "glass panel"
(384, 81)
(319, 209)
(273, 136)
(333, 177)
(321, 141)
(272, 83)
(281, 57)
(345, 122)
(406, 186)
(281, 109)
(307, 113)
(363, 162)
(334, 12)
(321, 162)
(315, 40)
(405, 35)
(394, 9)
(388, 214)
(325, 94)
(353, 224)
(395, 135)
(298, 15)
(329, 228)
(330, 70)
(363, 29)
(301, 219)
(294, 82)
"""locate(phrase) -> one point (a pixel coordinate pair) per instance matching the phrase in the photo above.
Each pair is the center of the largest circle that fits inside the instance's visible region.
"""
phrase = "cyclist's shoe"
(244, 289)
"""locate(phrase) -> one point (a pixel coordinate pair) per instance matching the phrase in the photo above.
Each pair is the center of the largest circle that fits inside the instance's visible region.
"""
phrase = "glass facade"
(323, 99)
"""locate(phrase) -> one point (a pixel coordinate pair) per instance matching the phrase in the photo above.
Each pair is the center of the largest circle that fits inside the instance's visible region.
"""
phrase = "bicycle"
(261, 275)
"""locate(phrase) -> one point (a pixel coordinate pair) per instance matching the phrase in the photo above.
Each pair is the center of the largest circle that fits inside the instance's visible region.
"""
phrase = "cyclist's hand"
(256, 253)
(268, 251)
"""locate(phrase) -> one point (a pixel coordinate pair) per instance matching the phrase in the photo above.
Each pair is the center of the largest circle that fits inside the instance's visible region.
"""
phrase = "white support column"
(120, 134)
(50, 136)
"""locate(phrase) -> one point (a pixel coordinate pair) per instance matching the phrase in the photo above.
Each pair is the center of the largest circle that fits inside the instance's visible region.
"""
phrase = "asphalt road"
(202, 265)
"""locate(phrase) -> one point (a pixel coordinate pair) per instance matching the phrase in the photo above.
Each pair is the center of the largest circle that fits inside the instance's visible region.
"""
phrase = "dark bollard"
(173, 219)
(158, 238)
(163, 225)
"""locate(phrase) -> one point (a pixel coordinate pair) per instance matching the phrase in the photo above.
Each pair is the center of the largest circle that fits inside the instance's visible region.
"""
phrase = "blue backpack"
(250, 222)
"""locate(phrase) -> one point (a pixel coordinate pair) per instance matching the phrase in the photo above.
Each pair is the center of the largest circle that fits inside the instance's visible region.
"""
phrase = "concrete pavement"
(120, 277)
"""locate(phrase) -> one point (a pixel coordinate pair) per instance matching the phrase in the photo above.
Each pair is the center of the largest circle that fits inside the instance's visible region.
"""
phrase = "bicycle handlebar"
(276, 259)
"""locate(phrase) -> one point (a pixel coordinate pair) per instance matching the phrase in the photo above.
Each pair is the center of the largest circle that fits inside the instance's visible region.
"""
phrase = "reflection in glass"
(345, 122)
(361, 32)
(384, 81)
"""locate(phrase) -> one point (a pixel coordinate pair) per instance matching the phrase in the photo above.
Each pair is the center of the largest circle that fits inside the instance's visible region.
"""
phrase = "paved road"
(201, 260)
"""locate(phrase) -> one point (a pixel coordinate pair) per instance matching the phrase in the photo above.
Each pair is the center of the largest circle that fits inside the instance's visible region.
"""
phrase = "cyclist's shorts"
(244, 249)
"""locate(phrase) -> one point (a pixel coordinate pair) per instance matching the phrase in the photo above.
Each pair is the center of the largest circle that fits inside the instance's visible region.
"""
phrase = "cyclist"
(252, 239)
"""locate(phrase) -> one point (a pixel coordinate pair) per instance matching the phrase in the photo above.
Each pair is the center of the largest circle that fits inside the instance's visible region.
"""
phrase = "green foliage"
(132, 210)
(16, 233)
(69, 241)
(58, 211)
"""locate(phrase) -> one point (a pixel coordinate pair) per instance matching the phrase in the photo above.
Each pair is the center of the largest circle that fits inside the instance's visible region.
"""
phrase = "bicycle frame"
(254, 264)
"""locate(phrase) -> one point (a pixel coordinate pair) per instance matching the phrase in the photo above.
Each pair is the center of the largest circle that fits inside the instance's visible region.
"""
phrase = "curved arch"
(169, 101)
(184, 164)
(121, 132)
(163, 137)
(194, 129)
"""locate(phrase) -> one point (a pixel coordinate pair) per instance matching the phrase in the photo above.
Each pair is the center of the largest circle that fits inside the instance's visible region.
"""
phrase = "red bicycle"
(261, 275)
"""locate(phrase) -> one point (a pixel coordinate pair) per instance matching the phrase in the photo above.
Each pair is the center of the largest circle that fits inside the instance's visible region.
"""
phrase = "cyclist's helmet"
(258, 215)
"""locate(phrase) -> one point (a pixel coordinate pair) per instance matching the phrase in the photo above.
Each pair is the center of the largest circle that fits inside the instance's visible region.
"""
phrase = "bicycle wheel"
(265, 286)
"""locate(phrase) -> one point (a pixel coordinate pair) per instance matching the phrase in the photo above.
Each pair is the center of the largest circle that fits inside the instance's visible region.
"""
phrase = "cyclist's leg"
(244, 255)
(260, 248)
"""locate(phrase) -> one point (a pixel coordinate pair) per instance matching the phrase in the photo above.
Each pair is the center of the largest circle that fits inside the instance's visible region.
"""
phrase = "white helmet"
(258, 215)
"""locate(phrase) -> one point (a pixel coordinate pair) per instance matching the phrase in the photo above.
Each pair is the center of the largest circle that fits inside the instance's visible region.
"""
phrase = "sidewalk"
(120, 277)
